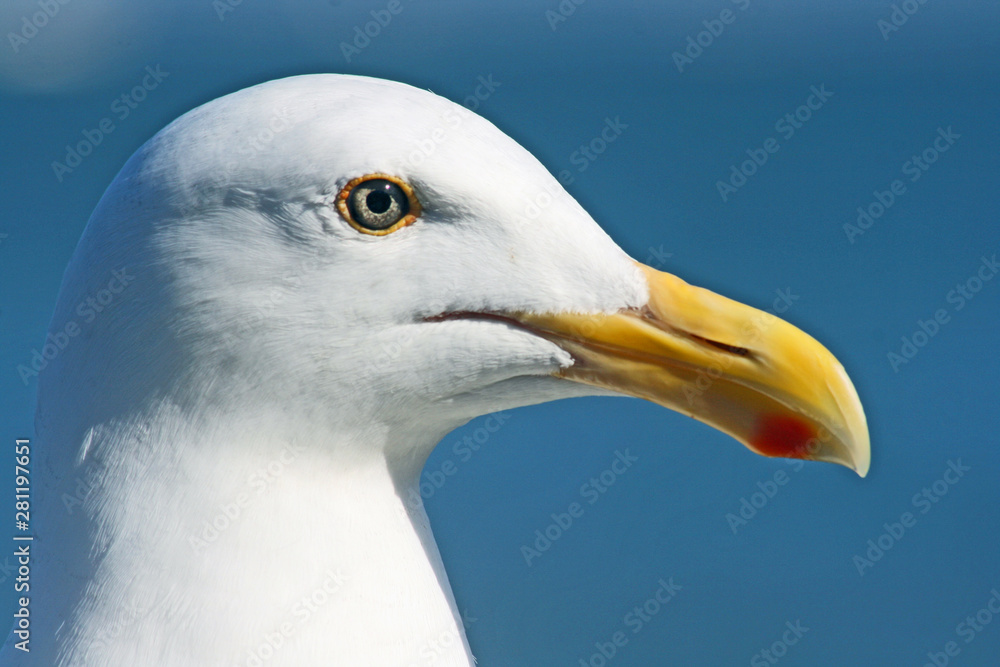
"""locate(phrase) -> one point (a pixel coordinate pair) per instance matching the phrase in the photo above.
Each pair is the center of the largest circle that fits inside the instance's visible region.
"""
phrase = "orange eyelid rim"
(405, 221)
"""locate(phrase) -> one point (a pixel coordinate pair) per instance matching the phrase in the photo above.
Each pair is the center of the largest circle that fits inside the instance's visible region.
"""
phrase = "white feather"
(269, 369)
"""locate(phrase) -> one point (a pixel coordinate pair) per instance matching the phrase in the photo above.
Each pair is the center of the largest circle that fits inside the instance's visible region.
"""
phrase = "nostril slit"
(725, 347)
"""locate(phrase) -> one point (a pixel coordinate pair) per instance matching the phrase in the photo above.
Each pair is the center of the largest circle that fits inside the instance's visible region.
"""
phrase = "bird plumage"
(228, 446)
(248, 338)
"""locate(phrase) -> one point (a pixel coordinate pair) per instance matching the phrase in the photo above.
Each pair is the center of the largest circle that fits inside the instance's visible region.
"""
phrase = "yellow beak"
(738, 369)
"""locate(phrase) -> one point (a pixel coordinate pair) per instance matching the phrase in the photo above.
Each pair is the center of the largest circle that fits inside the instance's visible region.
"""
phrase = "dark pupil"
(378, 201)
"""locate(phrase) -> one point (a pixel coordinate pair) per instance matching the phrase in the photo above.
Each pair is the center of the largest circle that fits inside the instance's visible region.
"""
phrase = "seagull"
(282, 303)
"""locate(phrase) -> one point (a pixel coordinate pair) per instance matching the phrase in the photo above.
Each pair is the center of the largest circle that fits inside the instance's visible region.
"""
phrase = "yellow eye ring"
(378, 204)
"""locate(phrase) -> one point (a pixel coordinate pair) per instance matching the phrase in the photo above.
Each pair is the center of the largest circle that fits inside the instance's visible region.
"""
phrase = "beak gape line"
(743, 371)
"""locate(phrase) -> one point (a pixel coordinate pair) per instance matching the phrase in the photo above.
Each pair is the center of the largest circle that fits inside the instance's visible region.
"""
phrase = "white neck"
(256, 549)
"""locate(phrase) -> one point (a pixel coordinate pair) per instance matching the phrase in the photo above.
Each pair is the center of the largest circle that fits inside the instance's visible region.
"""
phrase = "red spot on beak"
(784, 436)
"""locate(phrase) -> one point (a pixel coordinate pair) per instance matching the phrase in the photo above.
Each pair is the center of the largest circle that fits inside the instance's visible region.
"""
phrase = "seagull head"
(371, 253)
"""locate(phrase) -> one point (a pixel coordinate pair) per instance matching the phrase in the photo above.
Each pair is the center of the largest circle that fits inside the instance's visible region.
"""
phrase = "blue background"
(666, 516)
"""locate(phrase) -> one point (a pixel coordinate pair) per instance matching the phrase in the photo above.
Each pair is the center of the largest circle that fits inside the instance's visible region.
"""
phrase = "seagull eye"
(378, 204)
